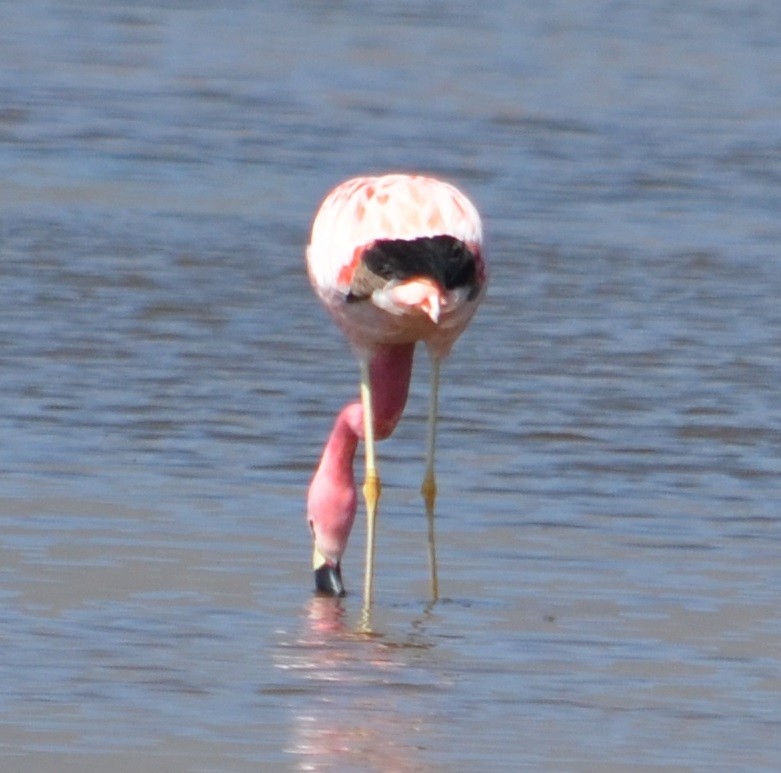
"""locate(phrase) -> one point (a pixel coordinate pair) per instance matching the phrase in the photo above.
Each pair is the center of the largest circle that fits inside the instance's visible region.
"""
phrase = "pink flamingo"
(395, 259)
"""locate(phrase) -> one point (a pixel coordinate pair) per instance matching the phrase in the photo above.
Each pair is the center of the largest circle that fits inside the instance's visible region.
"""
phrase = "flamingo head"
(328, 575)
(331, 509)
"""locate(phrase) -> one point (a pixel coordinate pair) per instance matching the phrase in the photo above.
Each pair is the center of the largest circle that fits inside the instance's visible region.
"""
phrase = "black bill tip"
(328, 580)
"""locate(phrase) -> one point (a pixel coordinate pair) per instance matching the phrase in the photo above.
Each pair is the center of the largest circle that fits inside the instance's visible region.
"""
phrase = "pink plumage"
(395, 206)
(364, 210)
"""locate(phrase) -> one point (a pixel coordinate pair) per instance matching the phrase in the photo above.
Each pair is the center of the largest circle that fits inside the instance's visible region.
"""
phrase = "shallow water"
(610, 445)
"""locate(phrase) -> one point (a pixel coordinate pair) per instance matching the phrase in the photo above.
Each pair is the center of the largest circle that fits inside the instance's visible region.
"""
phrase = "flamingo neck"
(336, 463)
(332, 499)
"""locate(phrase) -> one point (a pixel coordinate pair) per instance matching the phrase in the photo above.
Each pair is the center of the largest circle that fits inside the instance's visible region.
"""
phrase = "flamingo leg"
(429, 487)
(372, 485)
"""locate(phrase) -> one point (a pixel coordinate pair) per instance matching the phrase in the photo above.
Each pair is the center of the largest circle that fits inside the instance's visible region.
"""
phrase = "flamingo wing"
(443, 258)
(357, 224)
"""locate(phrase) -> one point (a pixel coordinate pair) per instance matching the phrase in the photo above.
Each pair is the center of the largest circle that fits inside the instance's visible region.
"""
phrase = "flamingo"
(395, 259)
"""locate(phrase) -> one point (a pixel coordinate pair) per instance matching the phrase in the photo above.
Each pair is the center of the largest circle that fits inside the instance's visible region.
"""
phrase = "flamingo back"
(363, 210)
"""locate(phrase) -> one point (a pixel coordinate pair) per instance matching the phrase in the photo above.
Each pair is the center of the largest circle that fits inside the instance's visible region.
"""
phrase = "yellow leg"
(372, 485)
(429, 487)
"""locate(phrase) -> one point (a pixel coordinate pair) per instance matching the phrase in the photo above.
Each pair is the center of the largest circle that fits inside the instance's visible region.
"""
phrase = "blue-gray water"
(610, 447)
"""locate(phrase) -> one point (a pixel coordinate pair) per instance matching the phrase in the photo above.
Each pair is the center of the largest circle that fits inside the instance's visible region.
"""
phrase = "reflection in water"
(359, 686)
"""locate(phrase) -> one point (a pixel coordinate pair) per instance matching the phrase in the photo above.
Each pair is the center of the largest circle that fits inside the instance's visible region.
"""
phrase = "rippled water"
(610, 449)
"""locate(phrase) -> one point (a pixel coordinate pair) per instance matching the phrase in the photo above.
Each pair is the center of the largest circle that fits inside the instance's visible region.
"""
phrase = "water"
(610, 448)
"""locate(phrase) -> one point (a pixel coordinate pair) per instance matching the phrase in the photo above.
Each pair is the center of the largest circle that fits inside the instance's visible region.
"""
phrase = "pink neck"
(332, 499)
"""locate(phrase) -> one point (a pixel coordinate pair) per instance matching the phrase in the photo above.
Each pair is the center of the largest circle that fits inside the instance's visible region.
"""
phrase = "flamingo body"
(365, 211)
(395, 259)
(396, 206)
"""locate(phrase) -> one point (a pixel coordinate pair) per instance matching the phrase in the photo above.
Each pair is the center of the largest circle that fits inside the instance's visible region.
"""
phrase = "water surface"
(610, 446)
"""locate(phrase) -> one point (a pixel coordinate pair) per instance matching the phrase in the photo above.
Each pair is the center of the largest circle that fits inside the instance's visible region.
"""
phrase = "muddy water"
(610, 447)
